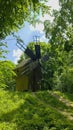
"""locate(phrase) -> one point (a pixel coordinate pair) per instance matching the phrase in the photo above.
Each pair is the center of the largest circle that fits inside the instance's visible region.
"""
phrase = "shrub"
(64, 82)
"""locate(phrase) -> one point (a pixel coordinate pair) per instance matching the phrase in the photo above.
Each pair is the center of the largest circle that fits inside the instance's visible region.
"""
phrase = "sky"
(27, 33)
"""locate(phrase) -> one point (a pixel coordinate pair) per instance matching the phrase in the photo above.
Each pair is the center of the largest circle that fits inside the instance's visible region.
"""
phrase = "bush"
(7, 81)
(64, 82)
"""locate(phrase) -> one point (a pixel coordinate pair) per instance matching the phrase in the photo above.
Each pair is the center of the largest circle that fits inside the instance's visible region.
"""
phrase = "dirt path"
(67, 112)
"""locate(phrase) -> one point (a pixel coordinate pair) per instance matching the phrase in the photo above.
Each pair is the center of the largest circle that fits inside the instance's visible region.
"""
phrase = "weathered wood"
(28, 68)
(36, 78)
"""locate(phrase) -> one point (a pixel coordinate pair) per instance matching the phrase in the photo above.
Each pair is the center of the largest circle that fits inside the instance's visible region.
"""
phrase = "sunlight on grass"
(41, 110)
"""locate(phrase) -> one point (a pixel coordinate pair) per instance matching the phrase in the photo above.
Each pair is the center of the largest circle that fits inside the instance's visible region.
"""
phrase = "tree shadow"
(35, 106)
(69, 96)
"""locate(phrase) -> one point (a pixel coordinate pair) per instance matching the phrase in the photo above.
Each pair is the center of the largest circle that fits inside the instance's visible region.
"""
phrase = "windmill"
(30, 67)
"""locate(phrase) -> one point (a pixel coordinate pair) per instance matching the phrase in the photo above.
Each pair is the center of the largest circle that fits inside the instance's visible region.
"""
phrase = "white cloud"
(46, 17)
(54, 4)
(16, 54)
(38, 27)
(43, 39)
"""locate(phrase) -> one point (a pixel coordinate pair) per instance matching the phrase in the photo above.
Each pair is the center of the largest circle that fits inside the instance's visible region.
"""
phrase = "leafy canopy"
(61, 29)
(60, 35)
(13, 13)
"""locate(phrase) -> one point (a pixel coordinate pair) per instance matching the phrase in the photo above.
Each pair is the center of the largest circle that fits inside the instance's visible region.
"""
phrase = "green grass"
(43, 110)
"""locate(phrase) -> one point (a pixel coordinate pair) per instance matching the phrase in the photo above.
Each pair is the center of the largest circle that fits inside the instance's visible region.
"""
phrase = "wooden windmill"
(29, 70)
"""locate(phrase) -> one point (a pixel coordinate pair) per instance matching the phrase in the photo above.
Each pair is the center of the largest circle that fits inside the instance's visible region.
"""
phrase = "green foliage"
(3, 49)
(22, 57)
(61, 29)
(34, 111)
(63, 76)
(60, 35)
(48, 69)
(43, 45)
(64, 82)
(7, 75)
(14, 13)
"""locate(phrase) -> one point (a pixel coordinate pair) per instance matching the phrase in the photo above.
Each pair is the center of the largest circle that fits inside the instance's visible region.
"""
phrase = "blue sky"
(27, 33)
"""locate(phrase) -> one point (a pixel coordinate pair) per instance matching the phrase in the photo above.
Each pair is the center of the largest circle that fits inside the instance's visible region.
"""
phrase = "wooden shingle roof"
(23, 63)
(26, 67)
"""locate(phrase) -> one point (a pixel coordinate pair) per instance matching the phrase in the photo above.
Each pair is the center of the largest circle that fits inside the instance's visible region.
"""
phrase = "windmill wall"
(22, 83)
(28, 75)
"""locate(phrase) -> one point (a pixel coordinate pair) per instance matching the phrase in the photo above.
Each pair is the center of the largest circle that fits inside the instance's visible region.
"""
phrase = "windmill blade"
(27, 51)
(38, 52)
(20, 45)
(30, 53)
(19, 40)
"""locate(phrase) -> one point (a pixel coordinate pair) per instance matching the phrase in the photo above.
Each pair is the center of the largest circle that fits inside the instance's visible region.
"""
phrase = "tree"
(60, 31)
(13, 13)
(7, 81)
(60, 35)
(63, 76)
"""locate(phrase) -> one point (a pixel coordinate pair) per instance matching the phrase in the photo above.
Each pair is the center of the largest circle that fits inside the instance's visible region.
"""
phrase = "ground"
(43, 110)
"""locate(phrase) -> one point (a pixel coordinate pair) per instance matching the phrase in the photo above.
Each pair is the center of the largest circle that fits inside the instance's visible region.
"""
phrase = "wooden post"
(36, 78)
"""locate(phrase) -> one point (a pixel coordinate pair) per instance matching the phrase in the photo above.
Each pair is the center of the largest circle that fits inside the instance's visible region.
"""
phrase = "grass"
(43, 110)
